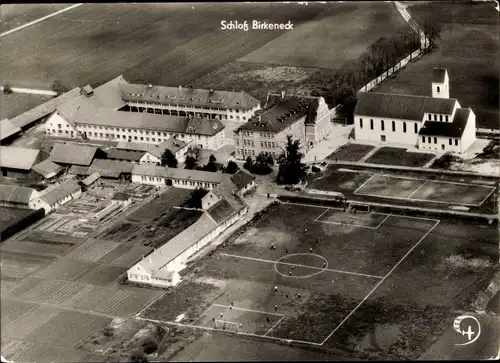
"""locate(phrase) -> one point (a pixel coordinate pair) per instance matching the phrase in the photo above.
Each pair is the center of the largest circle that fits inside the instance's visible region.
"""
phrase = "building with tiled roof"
(16, 162)
(223, 207)
(73, 154)
(435, 123)
(121, 111)
(53, 198)
(16, 196)
(47, 169)
(307, 119)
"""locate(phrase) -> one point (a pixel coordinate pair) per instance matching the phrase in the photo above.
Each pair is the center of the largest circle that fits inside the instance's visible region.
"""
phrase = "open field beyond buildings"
(17, 103)
(338, 294)
(14, 16)
(9, 216)
(339, 36)
(469, 49)
(166, 44)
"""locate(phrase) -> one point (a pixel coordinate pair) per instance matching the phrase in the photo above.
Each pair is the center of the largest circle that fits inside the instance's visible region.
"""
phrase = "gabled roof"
(101, 165)
(455, 128)
(172, 144)
(15, 194)
(404, 107)
(177, 245)
(44, 109)
(279, 114)
(242, 178)
(91, 179)
(128, 155)
(60, 192)
(47, 168)
(438, 75)
(176, 173)
(84, 113)
(221, 210)
(188, 96)
(75, 154)
(7, 129)
(17, 157)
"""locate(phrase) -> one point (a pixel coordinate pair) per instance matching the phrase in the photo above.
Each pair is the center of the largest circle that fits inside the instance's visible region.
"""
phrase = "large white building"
(436, 123)
(120, 111)
(307, 119)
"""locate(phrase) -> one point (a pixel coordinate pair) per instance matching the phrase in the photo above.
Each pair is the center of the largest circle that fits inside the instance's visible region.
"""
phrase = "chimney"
(282, 94)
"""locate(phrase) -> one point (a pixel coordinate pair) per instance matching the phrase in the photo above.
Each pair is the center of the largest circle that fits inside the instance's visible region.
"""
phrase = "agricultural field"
(318, 287)
(17, 103)
(9, 216)
(350, 152)
(468, 48)
(131, 39)
(332, 39)
(14, 16)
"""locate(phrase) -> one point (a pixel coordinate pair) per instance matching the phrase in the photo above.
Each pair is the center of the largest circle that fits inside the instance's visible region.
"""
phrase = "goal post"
(226, 325)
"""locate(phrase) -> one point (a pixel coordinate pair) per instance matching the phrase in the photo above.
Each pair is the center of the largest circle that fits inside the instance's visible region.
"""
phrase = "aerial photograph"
(249, 181)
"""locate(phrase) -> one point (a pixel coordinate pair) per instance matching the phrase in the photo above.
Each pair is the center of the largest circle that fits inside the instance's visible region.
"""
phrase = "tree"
(291, 168)
(270, 160)
(211, 165)
(7, 89)
(168, 159)
(58, 87)
(432, 31)
(261, 165)
(231, 167)
(248, 164)
(138, 356)
(191, 162)
(196, 197)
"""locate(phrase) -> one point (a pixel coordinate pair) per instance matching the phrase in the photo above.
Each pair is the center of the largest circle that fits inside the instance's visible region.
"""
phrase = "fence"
(411, 57)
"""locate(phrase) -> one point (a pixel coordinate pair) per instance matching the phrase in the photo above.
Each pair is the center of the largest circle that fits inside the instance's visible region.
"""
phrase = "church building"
(430, 123)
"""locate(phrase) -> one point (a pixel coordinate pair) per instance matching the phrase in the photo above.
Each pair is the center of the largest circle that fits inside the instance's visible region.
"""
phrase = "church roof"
(403, 107)
(447, 129)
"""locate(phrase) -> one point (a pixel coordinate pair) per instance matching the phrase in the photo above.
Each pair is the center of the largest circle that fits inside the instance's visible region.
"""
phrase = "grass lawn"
(167, 44)
(399, 156)
(469, 49)
(338, 36)
(15, 104)
(14, 15)
(350, 152)
(399, 320)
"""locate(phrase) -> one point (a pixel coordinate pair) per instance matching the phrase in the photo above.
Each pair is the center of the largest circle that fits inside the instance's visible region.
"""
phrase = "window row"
(393, 124)
(436, 117)
(429, 140)
(267, 144)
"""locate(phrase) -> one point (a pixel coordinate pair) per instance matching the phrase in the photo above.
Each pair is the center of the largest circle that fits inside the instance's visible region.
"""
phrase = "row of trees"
(262, 165)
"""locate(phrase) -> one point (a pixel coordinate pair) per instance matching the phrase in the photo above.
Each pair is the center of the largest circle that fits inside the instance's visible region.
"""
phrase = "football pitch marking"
(425, 181)
(40, 19)
(379, 283)
(283, 340)
(299, 265)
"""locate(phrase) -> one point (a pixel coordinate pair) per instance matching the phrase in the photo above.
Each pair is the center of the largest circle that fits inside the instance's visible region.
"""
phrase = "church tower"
(440, 83)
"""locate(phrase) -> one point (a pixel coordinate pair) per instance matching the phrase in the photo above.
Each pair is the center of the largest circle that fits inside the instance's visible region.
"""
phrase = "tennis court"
(423, 190)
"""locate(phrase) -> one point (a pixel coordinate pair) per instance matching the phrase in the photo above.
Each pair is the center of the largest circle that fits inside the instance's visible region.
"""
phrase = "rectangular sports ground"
(423, 190)
(329, 272)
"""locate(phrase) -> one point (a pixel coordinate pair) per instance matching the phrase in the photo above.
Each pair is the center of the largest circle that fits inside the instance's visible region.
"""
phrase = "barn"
(16, 162)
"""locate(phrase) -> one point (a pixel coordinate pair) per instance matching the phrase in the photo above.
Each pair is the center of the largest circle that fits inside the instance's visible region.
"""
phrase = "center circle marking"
(319, 269)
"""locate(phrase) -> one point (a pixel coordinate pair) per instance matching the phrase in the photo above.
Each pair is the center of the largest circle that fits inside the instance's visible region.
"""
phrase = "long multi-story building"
(436, 123)
(184, 101)
(306, 119)
(120, 111)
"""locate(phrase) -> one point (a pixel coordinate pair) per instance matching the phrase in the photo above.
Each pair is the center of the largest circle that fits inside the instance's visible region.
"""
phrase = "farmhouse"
(179, 178)
(55, 197)
(430, 123)
(89, 181)
(304, 118)
(47, 169)
(124, 155)
(16, 162)
(151, 154)
(184, 101)
(14, 196)
(162, 267)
